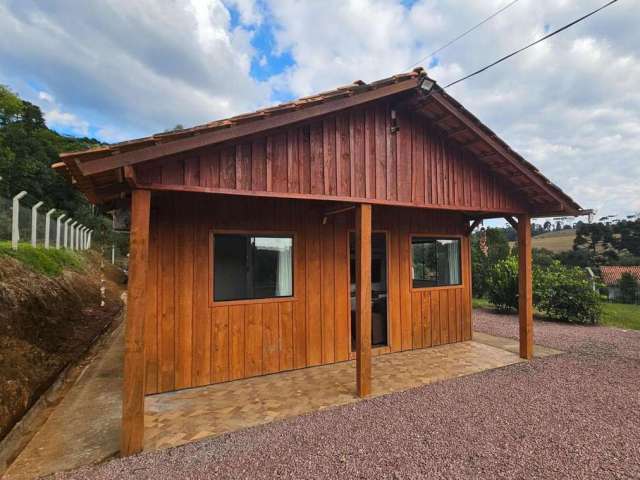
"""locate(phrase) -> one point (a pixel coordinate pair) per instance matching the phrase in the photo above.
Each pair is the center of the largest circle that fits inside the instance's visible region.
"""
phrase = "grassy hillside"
(50, 262)
(560, 241)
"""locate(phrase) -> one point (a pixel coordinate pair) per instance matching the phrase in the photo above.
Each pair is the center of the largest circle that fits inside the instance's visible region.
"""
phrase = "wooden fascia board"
(100, 165)
(496, 146)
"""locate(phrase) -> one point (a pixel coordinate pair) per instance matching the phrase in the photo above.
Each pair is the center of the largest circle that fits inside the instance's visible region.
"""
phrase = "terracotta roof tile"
(356, 87)
(611, 274)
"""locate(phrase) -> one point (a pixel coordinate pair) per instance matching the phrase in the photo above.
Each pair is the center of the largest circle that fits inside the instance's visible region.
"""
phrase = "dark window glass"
(436, 262)
(251, 266)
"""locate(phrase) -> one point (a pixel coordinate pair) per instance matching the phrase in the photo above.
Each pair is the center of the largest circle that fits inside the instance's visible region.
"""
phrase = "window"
(251, 267)
(436, 262)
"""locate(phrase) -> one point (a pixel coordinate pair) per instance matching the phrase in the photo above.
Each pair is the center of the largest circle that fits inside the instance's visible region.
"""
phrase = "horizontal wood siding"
(351, 155)
(190, 341)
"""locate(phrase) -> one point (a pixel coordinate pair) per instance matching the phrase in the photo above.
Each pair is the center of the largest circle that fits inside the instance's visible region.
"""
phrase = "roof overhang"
(105, 173)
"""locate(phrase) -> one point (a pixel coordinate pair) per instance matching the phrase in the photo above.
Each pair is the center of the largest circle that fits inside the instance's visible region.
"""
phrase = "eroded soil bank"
(45, 324)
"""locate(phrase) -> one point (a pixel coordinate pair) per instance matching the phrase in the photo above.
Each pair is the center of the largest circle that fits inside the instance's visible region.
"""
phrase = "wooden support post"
(133, 384)
(525, 287)
(363, 300)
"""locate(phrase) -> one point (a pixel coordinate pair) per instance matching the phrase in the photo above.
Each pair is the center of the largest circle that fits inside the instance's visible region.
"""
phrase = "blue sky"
(116, 69)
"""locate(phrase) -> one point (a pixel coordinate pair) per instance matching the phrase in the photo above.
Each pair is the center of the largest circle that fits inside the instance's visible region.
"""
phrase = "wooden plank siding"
(351, 156)
(192, 341)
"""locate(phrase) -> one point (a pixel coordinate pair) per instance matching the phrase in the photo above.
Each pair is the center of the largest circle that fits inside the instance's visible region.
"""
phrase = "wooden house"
(329, 228)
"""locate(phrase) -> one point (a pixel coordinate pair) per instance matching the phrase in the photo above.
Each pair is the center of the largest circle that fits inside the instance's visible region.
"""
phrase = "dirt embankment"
(46, 323)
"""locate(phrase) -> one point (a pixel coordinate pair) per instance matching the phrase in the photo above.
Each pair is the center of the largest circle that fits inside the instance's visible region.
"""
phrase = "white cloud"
(66, 121)
(58, 119)
(249, 11)
(570, 105)
(139, 67)
(47, 97)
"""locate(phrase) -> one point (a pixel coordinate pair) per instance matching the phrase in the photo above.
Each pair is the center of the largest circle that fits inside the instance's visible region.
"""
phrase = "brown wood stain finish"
(190, 340)
(351, 156)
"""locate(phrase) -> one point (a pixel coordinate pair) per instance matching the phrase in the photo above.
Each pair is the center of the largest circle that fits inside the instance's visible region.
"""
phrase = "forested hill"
(28, 149)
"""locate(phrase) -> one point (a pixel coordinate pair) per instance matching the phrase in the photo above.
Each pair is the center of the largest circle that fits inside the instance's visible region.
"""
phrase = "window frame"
(435, 236)
(255, 233)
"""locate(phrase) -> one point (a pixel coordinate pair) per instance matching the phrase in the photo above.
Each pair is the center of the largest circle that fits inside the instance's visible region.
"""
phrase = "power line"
(463, 34)
(568, 25)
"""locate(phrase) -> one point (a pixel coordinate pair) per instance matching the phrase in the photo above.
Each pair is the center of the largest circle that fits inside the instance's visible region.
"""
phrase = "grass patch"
(49, 262)
(621, 315)
(481, 303)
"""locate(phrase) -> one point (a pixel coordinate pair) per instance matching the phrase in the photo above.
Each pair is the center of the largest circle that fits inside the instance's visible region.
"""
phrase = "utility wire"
(568, 25)
(463, 34)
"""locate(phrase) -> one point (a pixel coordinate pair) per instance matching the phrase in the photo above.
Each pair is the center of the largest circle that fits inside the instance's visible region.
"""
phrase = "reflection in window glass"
(436, 262)
(250, 267)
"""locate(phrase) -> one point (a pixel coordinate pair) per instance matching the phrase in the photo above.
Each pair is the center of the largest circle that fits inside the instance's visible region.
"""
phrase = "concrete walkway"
(85, 427)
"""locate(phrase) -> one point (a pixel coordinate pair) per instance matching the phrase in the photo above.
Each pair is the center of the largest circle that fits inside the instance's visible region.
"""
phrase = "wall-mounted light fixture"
(394, 122)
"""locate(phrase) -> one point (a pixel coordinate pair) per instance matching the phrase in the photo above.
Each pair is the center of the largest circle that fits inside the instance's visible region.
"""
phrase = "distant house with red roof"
(611, 276)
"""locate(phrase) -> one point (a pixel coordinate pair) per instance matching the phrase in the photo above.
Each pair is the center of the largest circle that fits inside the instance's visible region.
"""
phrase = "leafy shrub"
(502, 284)
(561, 293)
(566, 294)
(497, 249)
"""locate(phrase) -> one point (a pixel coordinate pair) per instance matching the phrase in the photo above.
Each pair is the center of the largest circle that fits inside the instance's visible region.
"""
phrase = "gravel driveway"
(575, 415)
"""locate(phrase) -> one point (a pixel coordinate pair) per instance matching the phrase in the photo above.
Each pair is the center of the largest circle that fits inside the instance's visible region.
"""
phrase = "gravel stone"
(574, 415)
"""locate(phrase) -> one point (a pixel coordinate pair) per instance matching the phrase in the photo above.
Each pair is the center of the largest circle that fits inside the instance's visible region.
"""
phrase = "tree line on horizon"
(28, 149)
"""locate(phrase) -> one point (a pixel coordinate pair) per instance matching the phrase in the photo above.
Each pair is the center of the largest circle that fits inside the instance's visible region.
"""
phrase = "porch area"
(176, 418)
(85, 427)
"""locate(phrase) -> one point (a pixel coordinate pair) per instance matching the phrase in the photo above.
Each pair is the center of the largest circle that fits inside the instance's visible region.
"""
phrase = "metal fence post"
(71, 234)
(113, 254)
(58, 220)
(66, 232)
(89, 239)
(15, 232)
(34, 223)
(47, 227)
(84, 238)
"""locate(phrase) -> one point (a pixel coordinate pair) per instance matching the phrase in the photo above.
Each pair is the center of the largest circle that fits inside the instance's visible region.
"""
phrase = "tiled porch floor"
(179, 417)
(85, 427)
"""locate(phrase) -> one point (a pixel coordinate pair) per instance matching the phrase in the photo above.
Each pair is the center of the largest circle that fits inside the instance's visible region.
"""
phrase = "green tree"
(27, 151)
(628, 286)
(542, 257)
(497, 249)
(10, 106)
